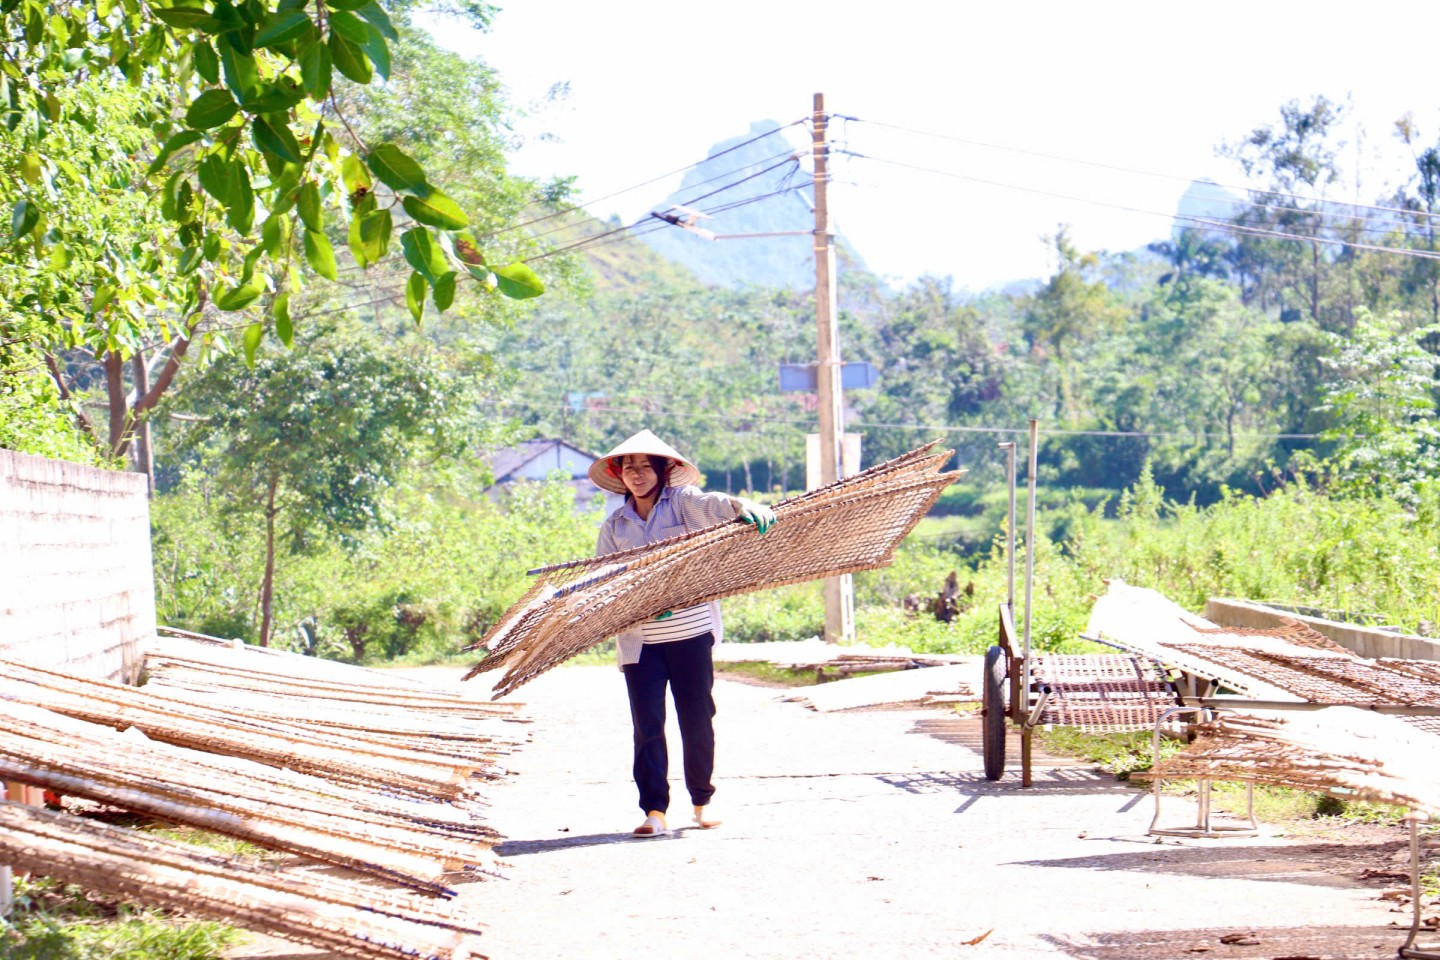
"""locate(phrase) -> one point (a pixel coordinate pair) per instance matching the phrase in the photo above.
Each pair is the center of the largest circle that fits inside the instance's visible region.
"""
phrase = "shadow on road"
(1293, 943)
(1317, 864)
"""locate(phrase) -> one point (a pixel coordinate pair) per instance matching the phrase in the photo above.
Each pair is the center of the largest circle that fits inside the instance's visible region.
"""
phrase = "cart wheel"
(993, 713)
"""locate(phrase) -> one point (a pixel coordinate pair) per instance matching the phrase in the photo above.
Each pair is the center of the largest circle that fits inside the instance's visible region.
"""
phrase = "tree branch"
(53, 366)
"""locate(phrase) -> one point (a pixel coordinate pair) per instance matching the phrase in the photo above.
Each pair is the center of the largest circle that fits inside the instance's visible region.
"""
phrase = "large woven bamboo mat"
(1344, 751)
(845, 527)
(358, 919)
(205, 725)
(410, 842)
(358, 703)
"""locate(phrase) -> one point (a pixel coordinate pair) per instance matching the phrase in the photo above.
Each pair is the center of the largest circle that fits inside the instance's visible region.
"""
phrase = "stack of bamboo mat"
(374, 774)
(845, 527)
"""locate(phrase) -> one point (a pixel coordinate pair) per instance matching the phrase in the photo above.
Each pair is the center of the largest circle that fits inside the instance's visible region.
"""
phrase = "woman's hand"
(748, 511)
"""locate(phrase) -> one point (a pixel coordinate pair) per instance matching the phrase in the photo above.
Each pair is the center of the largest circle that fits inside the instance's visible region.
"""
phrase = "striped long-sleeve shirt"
(678, 510)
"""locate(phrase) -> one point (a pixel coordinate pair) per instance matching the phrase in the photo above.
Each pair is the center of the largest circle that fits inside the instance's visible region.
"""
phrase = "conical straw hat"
(606, 477)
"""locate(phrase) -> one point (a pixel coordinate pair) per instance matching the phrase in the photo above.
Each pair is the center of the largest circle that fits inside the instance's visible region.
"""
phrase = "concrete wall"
(1366, 641)
(76, 584)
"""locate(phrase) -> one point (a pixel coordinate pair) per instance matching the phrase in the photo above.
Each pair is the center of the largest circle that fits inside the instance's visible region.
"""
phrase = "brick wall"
(76, 584)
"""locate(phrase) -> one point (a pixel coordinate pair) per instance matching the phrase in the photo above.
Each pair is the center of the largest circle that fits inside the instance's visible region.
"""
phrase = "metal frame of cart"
(1092, 691)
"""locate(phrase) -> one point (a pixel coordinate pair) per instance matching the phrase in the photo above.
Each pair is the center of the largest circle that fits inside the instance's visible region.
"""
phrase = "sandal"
(654, 826)
(705, 822)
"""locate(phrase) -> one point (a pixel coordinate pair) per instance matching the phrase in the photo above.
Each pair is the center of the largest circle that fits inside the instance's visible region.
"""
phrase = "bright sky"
(1150, 87)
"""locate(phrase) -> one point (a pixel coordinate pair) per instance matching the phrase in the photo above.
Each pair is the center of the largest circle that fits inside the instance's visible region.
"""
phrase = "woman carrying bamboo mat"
(662, 500)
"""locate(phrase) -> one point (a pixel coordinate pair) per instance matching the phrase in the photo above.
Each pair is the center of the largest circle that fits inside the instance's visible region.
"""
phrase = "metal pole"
(1009, 448)
(839, 607)
(1030, 548)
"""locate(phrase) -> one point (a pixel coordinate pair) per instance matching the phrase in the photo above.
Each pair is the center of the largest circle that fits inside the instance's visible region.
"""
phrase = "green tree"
(1283, 243)
(1381, 401)
(165, 163)
(1068, 312)
(308, 441)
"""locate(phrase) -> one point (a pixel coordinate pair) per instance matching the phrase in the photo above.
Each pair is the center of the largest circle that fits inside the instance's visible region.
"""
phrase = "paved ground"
(873, 834)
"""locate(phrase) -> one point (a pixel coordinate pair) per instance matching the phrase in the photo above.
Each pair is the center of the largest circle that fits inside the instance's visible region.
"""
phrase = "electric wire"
(1214, 224)
(1123, 169)
(646, 183)
(931, 427)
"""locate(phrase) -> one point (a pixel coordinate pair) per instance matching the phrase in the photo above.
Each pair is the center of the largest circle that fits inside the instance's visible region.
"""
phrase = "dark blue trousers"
(686, 666)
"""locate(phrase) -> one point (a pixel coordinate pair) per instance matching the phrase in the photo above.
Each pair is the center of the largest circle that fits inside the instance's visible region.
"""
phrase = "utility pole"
(839, 592)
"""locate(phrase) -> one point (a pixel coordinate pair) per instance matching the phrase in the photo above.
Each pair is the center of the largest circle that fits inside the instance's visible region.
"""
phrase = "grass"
(50, 920)
(768, 673)
(54, 921)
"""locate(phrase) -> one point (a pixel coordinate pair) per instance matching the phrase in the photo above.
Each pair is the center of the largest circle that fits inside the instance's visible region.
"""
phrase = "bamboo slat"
(256, 737)
(362, 920)
(846, 527)
(405, 842)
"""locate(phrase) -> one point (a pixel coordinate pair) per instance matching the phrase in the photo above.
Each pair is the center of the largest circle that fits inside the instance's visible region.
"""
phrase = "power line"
(1122, 169)
(670, 410)
(1215, 224)
(646, 183)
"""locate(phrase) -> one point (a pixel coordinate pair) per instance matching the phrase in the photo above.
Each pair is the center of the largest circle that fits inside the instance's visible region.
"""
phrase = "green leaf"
(282, 27)
(211, 246)
(187, 18)
(207, 64)
(415, 296)
(346, 4)
(396, 170)
(250, 339)
(445, 291)
(423, 253)
(370, 236)
(436, 210)
(23, 217)
(241, 213)
(518, 282)
(275, 139)
(308, 204)
(238, 298)
(349, 26)
(349, 59)
(101, 299)
(320, 255)
(182, 139)
(284, 328)
(217, 178)
(315, 71)
(210, 109)
(376, 14)
(241, 74)
(272, 234)
(30, 168)
(352, 170)
(469, 254)
(277, 97)
(377, 50)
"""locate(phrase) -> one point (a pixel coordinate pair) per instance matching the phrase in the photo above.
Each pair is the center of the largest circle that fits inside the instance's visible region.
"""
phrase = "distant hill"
(715, 184)
(1205, 200)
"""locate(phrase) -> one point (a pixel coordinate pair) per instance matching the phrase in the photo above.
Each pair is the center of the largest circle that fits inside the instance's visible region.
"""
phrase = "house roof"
(507, 461)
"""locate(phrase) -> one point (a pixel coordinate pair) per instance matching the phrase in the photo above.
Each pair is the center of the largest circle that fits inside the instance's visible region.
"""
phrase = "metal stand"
(1203, 826)
(1411, 950)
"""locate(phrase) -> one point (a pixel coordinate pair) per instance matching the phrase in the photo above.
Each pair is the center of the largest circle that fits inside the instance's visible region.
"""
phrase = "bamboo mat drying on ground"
(1344, 751)
(436, 722)
(362, 920)
(402, 841)
(193, 665)
(845, 527)
(214, 729)
(1290, 662)
(926, 685)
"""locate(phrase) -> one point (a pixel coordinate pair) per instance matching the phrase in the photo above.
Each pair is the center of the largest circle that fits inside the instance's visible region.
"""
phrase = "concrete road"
(873, 834)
